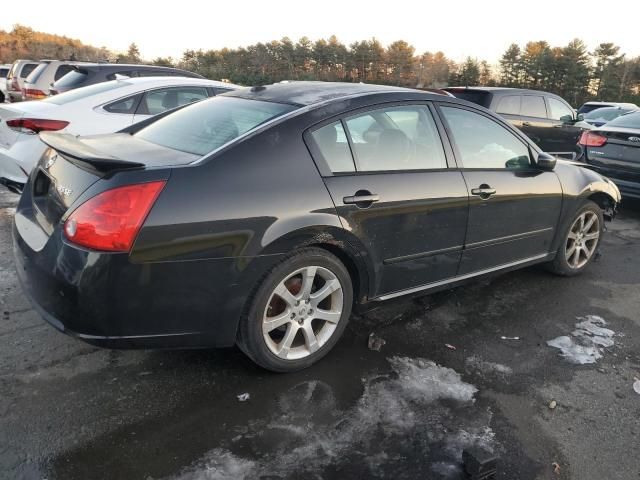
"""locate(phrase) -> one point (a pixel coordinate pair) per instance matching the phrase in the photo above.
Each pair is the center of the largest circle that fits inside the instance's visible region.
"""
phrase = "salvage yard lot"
(71, 411)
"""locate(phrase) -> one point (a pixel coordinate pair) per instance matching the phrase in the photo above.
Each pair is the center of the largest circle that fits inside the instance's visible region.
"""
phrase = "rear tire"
(581, 240)
(298, 312)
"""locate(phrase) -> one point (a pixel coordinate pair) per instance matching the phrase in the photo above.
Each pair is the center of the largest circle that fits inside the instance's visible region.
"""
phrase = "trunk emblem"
(50, 161)
(64, 191)
(634, 139)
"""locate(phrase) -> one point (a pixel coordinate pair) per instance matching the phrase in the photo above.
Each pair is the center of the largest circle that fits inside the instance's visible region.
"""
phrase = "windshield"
(80, 93)
(631, 120)
(605, 114)
(205, 126)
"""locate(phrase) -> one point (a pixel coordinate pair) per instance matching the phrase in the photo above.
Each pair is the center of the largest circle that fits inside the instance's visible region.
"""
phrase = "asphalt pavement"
(469, 368)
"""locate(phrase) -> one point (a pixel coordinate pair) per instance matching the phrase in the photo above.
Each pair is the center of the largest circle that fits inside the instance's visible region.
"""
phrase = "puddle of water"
(585, 344)
(416, 412)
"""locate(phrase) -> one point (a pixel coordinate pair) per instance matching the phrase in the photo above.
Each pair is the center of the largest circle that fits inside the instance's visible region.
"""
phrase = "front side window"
(332, 144)
(533, 106)
(396, 138)
(204, 126)
(509, 105)
(559, 111)
(483, 143)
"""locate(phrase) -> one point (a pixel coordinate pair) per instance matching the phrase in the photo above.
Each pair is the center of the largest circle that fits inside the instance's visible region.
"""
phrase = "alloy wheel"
(302, 313)
(582, 239)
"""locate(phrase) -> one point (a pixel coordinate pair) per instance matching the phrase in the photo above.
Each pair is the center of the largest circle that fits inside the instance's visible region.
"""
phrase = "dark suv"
(84, 75)
(544, 117)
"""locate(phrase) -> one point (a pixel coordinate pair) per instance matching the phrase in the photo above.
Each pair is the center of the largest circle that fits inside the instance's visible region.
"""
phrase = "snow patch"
(414, 411)
(477, 364)
(586, 342)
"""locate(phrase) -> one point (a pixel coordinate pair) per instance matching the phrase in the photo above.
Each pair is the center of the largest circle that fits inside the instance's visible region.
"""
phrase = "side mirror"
(545, 161)
(566, 119)
(580, 117)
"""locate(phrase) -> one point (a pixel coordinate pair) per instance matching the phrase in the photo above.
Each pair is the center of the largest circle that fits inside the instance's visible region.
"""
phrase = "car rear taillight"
(591, 139)
(36, 125)
(14, 87)
(33, 93)
(111, 220)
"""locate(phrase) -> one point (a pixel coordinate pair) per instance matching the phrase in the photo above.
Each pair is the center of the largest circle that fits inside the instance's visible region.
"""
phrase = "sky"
(480, 29)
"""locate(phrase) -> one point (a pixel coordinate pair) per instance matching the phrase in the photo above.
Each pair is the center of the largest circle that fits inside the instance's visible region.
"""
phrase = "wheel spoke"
(576, 257)
(310, 339)
(283, 292)
(328, 315)
(572, 235)
(308, 276)
(589, 224)
(327, 289)
(592, 236)
(581, 222)
(287, 340)
(271, 323)
(570, 251)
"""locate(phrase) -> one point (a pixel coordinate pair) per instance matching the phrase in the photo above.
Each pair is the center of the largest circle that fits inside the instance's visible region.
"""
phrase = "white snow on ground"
(586, 342)
(477, 364)
(416, 406)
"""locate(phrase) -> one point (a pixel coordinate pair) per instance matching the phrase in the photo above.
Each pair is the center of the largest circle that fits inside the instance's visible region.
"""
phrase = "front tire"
(298, 312)
(581, 241)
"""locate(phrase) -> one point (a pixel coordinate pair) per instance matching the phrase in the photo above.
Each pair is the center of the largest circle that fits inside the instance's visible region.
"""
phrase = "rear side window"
(396, 138)
(483, 143)
(204, 126)
(333, 146)
(630, 120)
(4, 72)
(27, 68)
(509, 105)
(126, 105)
(559, 110)
(475, 96)
(533, 106)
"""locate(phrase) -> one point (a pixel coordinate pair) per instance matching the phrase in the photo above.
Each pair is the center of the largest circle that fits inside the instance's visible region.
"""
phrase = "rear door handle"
(361, 199)
(484, 191)
(526, 124)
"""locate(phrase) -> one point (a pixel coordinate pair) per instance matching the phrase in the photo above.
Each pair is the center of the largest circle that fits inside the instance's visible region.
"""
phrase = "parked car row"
(262, 216)
(99, 108)
(34, 80)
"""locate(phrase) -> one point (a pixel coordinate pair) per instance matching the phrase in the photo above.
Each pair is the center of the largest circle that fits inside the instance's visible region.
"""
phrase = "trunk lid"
(73, 164)
(620, 156)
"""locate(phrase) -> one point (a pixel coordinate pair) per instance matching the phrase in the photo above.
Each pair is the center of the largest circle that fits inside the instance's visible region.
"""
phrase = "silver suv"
(15, 80)
(4, 71)
(38, 83)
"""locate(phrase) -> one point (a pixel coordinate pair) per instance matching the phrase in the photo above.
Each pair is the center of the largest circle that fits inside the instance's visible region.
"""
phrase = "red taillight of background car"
(111, 220)
(33, 94)
(13, 86)
(591, 139)
(36, 125)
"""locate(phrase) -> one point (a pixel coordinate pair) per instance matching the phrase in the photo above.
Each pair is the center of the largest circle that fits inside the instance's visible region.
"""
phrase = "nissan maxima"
(262, 216)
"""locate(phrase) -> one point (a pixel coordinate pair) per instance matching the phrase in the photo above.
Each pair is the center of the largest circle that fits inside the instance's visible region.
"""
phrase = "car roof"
(309, 93)
(170, 80)
(498, 90)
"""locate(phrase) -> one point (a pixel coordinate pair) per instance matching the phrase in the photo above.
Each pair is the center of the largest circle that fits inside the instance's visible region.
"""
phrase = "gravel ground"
(469, 367)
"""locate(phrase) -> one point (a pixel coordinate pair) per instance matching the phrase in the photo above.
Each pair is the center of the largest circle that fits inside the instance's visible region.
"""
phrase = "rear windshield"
(27, 69)
(590, 108)
(202, 127)
(33, 76)
(475, 96)
(4, 72)
(80, 93)
(605, 114)
(71, 79)
(631, 120)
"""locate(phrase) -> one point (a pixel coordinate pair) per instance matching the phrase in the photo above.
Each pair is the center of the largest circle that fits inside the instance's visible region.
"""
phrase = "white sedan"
(101, 108)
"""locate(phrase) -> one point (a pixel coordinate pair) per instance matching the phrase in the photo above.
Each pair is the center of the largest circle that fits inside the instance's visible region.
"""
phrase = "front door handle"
(362, 199)
(484, 191)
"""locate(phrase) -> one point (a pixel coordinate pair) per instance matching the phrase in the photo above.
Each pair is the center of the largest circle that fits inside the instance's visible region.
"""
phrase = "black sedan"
(261, 216)
(614, 150)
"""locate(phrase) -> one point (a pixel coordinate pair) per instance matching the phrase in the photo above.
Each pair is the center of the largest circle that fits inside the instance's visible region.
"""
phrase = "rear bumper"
(17, 161)
(106, 300)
